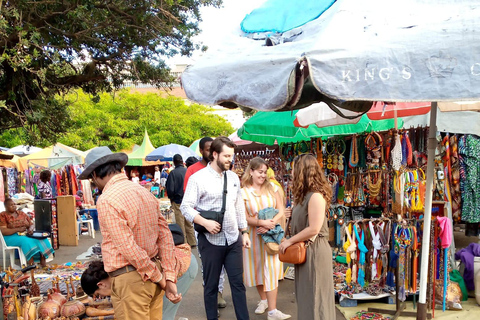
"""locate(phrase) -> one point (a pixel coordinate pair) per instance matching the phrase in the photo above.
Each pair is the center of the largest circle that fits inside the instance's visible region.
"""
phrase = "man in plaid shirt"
(137, 247)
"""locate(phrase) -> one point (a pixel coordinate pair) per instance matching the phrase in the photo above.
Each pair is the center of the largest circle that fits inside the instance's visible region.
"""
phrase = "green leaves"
(51, 47)
(118, 121)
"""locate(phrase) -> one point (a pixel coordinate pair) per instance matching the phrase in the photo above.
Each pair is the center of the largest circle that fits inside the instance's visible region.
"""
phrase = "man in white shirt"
(156, 177)
(222, 244)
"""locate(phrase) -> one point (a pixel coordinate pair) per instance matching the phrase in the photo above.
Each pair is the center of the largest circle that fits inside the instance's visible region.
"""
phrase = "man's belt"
(121, 271)
(126, 269)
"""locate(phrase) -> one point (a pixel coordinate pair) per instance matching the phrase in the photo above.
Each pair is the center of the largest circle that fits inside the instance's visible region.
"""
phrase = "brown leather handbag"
(296, 253)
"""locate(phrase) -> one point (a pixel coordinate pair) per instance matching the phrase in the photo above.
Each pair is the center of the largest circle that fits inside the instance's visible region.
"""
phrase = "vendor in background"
(135, 177)
(156, 177)
(44, 187)
(13, 222)
(79, 200)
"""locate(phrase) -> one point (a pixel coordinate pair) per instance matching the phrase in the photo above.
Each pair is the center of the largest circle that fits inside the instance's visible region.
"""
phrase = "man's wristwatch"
(245, 231)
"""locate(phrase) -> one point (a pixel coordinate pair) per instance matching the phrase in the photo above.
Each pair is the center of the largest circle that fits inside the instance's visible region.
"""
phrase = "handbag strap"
(224, 198)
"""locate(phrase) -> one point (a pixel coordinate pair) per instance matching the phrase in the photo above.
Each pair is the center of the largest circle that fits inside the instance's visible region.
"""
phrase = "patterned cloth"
(21, 220)
(134, 230)
(259, 267)
(469, 148)
(2, 187)
(45, 188)
(12, 181)
(204, 193)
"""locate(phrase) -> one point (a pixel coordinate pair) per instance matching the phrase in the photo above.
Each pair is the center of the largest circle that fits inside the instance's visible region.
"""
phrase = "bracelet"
(245, 231)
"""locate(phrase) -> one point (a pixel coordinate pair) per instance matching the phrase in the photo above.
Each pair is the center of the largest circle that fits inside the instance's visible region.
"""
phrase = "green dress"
(314, 279)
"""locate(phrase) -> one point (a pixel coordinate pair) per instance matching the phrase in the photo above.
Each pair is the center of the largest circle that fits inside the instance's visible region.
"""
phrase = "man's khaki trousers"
(187, 227)
(134, 299)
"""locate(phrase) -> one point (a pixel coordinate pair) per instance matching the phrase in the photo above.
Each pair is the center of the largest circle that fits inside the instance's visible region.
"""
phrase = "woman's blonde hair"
(255, 164)
(309, 177)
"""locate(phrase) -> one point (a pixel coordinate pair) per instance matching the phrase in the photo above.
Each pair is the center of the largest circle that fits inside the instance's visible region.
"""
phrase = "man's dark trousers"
(213, 258)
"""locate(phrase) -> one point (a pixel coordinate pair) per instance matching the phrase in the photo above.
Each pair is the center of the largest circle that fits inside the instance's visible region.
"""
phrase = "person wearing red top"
(137, 247)
(204, 146)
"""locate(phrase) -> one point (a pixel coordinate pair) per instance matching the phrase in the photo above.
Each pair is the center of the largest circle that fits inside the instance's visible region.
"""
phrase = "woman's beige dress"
(314, 279)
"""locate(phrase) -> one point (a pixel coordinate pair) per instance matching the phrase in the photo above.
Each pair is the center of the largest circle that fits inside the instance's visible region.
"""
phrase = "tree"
(120, 121)
(52, 46)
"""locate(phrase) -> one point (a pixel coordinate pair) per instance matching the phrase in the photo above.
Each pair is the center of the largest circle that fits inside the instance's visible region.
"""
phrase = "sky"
(218, 24)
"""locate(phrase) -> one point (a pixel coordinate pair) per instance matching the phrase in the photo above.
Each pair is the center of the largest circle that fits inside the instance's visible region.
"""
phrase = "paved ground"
(192, 304)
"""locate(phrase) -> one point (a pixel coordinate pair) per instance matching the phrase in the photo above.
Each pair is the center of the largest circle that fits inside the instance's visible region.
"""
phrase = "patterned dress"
(259, 267)
(469, 149)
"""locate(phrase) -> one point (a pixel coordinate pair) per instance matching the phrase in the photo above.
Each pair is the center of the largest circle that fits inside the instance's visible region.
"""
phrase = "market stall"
(376, 214)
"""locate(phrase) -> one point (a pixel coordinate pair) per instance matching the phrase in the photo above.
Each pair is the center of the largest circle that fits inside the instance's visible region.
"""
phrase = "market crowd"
(237, 223)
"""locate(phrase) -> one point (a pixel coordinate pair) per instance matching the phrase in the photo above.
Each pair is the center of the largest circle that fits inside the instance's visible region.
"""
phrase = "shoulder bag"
(297, 252)
(214, 215)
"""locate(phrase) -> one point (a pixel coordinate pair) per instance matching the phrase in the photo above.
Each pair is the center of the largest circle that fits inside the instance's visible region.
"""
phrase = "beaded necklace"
(353, 162)
(330, 150)
(374, 187)
(319, 148)
(374, 146)
(341, 148)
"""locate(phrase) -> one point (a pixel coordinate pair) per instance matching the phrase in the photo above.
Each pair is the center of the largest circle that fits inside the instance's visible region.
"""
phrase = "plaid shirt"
(134, 230)
(204, 192)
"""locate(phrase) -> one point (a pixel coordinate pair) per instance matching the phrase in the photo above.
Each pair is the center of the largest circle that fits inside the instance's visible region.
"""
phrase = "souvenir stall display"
(53, 293)
(376, 212)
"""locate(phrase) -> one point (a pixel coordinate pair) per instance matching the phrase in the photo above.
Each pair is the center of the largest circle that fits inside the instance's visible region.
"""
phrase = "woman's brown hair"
(255, 164)
(309, 177)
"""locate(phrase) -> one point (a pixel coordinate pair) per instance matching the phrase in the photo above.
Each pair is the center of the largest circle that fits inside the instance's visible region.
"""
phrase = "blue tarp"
(283, 15)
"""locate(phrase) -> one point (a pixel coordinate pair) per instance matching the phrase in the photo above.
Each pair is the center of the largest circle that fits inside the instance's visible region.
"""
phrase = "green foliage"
(50, 47)
(119, 121)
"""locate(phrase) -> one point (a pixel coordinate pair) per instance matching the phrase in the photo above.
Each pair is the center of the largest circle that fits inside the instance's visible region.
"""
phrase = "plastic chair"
(11, 249)
(91, 229)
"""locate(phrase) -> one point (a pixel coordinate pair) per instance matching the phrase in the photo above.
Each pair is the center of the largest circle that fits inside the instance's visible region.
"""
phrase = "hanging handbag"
(297, 252)
(214, 215)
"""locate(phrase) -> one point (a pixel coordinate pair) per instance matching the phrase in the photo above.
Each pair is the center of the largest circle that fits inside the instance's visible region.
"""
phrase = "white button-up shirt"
(204, 193)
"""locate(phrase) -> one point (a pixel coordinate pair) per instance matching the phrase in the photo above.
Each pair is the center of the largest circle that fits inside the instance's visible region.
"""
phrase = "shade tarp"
(166, 153)
(8, 159)
(137, 157)
(23, 150)
(53, 157)
(355, 51)
(266, 127)
(283, 15)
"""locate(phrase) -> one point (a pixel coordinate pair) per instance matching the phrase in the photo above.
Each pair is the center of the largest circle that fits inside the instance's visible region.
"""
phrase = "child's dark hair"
(93, 275)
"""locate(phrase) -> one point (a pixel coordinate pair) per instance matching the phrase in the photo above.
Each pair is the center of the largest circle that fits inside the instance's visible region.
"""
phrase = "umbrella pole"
(432, 143)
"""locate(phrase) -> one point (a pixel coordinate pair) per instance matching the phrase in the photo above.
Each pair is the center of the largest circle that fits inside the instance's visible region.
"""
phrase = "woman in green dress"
(314, 278)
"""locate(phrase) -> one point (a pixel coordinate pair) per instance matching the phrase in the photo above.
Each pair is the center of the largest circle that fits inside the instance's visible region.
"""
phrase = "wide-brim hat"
(99, 156)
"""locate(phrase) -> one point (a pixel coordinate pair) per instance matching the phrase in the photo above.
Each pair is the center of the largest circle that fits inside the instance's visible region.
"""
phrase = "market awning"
(137, 157)
(266, 127)
(53, 157)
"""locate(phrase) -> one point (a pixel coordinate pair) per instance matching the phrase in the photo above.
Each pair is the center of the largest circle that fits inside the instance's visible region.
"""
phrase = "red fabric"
(404, 109)
(191, 170)
(74, 181)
